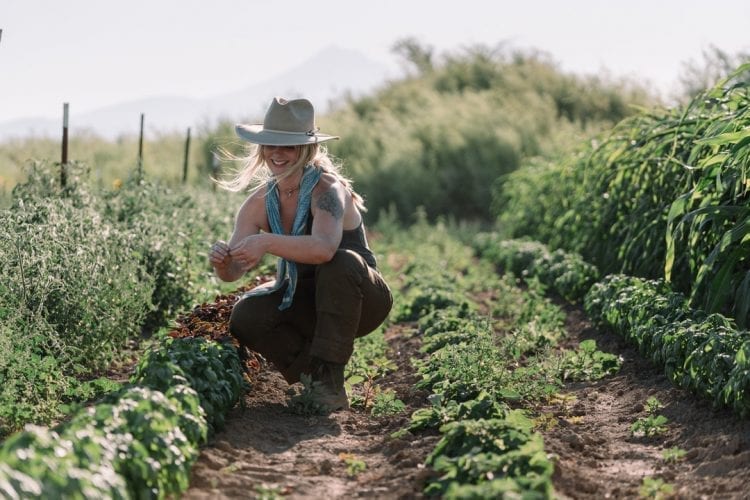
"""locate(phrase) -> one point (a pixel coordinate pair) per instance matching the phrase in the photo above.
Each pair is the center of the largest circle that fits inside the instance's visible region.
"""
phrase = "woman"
(327, 289)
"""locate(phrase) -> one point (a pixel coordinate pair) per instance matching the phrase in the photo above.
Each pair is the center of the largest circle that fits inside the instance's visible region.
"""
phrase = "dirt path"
(598, 456)
(266, 451)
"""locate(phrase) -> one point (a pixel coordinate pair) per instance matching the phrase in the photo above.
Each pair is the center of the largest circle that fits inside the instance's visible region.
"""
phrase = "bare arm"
(328, 208)
(227, 264)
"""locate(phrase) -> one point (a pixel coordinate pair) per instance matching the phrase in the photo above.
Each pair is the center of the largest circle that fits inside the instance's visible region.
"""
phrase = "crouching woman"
(328, 290)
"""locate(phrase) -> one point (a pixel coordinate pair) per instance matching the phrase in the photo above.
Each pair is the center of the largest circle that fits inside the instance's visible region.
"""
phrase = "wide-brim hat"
(287, 123)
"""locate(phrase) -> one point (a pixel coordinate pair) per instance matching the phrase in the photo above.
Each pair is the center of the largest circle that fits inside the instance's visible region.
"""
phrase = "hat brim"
(258, 135)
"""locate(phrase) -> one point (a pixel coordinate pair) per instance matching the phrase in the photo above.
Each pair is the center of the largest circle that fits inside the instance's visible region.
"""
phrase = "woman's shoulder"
(327, 181)
(254, 203)
(252, 212)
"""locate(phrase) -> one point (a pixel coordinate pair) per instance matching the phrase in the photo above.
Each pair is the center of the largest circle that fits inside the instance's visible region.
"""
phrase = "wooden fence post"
(64, 160)
(187, 155)
(140, 152)
(215, 168)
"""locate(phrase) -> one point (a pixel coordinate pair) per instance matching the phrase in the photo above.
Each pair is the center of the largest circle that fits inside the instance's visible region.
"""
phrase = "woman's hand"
(220, 255)
(248, 251)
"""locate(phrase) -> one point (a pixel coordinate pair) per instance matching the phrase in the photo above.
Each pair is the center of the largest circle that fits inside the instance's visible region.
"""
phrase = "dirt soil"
(266, 451)
(597, 456)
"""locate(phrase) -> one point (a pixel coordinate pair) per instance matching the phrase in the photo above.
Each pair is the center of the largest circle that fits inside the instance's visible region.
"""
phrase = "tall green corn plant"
(632, 178)
(664, 195)
(709, 224)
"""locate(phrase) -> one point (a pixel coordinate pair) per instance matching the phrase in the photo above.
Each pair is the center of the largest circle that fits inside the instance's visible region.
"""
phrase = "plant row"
(564, 272)
(482, 369)
(487, 449)
(704, 353)
(85, 276)
(139, 442)
(662, 195)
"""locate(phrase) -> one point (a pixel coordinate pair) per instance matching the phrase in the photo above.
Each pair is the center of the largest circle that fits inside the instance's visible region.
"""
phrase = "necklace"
(290, 192)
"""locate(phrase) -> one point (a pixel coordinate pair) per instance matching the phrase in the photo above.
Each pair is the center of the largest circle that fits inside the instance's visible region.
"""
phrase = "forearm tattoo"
(329, 202)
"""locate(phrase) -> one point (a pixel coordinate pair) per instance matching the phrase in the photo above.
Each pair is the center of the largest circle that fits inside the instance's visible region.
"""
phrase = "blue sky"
(95, 53)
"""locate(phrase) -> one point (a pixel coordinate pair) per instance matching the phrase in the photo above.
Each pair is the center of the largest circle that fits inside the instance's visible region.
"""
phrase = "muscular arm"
(328, 207)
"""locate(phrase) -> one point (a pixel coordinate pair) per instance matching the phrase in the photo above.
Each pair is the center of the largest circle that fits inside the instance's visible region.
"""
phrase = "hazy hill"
(325, 76)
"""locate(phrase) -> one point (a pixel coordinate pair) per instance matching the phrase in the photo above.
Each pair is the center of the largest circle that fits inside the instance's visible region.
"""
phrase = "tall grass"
(113, 160)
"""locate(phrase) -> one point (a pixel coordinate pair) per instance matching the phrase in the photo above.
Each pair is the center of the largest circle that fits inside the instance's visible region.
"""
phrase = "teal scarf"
(286, 271)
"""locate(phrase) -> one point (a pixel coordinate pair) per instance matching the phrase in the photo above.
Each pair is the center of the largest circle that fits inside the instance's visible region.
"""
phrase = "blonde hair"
(253, 173)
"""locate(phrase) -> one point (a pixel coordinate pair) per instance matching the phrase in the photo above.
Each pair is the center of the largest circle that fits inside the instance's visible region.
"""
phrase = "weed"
(305, 402)
(652, 424)
(587, 363)
(653, 405)
(545, 422)
(672, 455)
(653, 487)
(230, 469)
(353, 464)
(386, 403)
(268, 492)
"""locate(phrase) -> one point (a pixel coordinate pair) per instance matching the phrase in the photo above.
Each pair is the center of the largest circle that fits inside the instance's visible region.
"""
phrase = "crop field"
(586, 339)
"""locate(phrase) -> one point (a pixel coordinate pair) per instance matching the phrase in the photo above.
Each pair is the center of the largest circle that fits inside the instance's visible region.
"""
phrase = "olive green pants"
(345, 299)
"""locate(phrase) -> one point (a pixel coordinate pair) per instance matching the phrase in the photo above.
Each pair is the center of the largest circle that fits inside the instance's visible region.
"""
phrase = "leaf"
(725, 138)
(718, 158)
(742, 300)
(355, 379)
(588, 346)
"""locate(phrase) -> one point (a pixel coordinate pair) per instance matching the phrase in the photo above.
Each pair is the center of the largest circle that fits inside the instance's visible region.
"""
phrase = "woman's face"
(280, 158)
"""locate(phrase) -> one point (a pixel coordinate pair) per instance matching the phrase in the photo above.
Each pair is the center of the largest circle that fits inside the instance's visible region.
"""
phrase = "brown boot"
(328, 385)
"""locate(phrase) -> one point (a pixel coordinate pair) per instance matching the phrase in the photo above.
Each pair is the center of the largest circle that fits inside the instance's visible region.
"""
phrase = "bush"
(73, 295)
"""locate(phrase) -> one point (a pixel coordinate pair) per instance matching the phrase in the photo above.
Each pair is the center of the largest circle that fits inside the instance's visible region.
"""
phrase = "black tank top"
(351, 239)
(356, 240)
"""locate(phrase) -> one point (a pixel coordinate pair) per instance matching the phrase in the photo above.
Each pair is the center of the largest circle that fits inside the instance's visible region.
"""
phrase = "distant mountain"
(326, 76)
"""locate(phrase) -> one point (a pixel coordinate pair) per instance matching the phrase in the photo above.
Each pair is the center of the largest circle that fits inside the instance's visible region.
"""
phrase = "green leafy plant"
(368, 363)
(655, 488)
(652, 424)
(211, 368)
(386, 404)
(587, 363)
(442, 412)
(354, 465)
(42, 463)
(474, 451)
(674, 454)
(653, 405)
(268, 492)
(705, 353)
